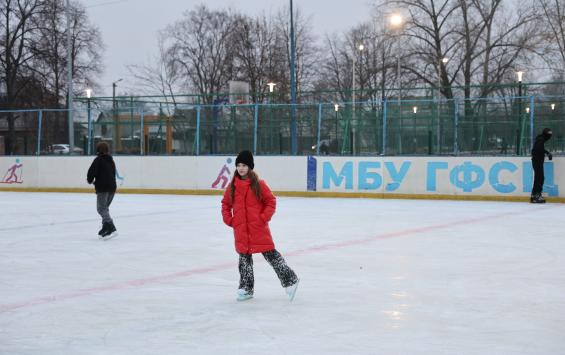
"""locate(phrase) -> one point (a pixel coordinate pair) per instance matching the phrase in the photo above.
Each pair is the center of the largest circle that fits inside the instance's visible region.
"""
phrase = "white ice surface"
(377, 277)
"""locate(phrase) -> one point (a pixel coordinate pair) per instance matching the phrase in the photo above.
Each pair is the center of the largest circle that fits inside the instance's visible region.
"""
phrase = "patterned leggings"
(275, 259)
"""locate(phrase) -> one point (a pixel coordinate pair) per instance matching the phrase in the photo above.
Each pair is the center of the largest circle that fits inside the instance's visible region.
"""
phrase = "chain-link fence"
(486, 126)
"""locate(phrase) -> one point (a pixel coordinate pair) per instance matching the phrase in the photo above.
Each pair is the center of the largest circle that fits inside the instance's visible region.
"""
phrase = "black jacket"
(538, 151)
(103, 173)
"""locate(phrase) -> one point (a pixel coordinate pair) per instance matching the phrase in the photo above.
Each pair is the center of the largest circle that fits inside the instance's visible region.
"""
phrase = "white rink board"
(282, 173)
(457, 176)
(480, 176)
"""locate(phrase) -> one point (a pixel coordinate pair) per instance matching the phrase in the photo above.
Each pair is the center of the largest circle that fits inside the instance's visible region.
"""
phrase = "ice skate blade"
(108, 237)
(291, 291)
(243, 298)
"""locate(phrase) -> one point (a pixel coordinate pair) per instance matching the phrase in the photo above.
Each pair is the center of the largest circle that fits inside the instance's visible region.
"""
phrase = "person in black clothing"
(538, 156)
(102, 173)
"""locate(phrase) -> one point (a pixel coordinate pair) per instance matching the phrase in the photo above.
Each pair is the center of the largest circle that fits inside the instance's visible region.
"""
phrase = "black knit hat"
(546, 133)
(245, 157)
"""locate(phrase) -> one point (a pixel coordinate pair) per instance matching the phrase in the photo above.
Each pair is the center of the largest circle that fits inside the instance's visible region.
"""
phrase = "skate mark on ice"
(97, 219)
(225, 266)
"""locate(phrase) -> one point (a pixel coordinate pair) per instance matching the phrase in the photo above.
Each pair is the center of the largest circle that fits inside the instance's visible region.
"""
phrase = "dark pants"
(103, 201)
(538, 177)
(285, 274)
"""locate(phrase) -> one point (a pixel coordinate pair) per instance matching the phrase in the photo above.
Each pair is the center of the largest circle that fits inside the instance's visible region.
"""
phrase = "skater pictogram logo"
(14, 174)
(120, 178)
(223, 176)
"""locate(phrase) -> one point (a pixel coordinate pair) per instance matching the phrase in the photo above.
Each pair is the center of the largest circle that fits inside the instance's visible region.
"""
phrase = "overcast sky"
(129, 27)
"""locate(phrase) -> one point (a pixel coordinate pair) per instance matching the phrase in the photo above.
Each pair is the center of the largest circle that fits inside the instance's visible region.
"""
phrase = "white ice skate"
(291, 290)
(108, 236)
(243, 295)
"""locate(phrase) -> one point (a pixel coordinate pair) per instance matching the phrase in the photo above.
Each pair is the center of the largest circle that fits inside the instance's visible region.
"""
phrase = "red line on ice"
(199, 271)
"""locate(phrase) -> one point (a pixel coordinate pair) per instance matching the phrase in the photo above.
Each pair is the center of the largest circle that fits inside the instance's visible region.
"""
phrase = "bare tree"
(480, 39)
(160, 75)
(554, 17)
(50, 60)
(431, 33)
(255, 54)
(307, 53)
(17, 32)
(200, 43)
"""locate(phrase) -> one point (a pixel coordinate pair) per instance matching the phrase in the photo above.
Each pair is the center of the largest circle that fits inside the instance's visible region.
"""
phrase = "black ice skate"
(109, 231)
(537, 199)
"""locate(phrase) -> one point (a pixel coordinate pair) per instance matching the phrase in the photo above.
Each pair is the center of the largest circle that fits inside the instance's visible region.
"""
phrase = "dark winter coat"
(538, 151)
(249, 217)
(103, 173)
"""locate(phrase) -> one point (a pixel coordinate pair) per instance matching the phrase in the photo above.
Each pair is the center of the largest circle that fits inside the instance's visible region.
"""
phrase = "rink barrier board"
(298, 194)
(433, 177)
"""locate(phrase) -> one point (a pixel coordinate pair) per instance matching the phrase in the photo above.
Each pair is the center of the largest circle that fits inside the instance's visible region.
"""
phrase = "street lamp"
(271, 86)
(414, 140)
(336, 109)
(293, 123)
(88, 96)
(519, 76)
(396, 21)
(361, 47)
(115, 116)
(70, 80)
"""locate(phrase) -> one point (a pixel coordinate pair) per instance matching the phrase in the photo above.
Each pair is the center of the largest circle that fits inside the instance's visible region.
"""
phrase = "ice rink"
(377, 277)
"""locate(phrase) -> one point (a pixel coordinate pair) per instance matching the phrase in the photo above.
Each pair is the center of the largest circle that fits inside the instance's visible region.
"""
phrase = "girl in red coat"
(247, 207)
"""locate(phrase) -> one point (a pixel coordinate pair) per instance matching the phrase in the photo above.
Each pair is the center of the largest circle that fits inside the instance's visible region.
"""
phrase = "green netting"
(486, 126)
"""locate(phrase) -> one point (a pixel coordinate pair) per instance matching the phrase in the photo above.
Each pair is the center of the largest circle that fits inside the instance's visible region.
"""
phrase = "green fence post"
(319, 128)
(40, 119)
(384, 125)
(455, 127)
(90, 135)
(142, 135)
(255, 121)
(198, 130)
(532, 107)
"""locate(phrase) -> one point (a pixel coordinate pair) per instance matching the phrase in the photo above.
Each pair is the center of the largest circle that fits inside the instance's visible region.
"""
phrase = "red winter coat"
(249, 217)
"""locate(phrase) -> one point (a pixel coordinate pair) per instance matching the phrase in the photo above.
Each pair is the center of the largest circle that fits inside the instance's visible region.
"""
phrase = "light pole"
(271, 89)
(336, 109)
(271, 86)
(89, 139)
(293, 124)
(70, 81)
(519, 75)
(115, 116)
(414, 140)
(441, 62)
(353, 123)
(396, 21)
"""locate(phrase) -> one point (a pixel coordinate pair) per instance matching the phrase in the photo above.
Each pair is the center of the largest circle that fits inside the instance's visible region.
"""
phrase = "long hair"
(255, 186)
(102, 148)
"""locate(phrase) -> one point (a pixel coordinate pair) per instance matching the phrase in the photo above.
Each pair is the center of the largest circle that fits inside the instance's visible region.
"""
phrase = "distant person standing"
(503, 146)
(538, 156)
(102, 173)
